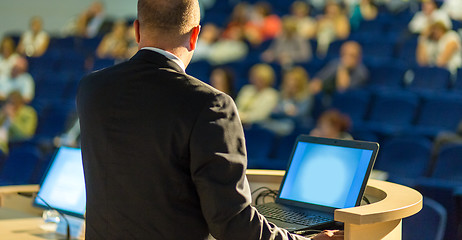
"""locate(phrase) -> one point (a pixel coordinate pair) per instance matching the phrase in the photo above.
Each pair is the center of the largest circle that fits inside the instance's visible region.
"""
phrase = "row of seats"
(400, 112)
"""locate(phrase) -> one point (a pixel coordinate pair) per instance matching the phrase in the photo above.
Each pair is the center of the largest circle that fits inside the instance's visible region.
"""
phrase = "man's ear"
(194, 37)
(136, 25)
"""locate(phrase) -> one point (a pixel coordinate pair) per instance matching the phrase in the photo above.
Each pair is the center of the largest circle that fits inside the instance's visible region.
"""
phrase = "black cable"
(68, 228)
(264, 194)
(366, 200)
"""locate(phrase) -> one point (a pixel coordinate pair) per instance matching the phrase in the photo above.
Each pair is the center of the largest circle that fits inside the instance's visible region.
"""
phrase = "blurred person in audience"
(114, 44)
(364, 10)
(440, 47)
(34, 42)
(218, 51)
(294, 105)
(289, 47)
(19, 81)
(70, 138)
(262, 25)
(443, 139)
(342, 74)
(453, 8)
(333, 25)
(89, 23)
(422, 20)
(8, 56)
(209, 36)
(332, 124)
(223, 80)
(239, 18)
(306, 25)
(18, 121)
(256, 100)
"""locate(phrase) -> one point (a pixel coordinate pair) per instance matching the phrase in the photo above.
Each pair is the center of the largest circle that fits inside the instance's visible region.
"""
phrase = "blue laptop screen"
(326, 175)
(64, 186)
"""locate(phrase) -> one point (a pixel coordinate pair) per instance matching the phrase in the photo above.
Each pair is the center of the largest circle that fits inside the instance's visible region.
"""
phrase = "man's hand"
(329, 235)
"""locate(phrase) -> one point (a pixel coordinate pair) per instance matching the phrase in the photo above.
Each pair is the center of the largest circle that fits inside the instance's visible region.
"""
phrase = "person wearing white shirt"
(430, 14)
(20, 81)
(34, 42)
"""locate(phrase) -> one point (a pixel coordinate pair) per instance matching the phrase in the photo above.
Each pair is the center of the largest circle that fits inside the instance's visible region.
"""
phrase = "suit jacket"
(164, 156)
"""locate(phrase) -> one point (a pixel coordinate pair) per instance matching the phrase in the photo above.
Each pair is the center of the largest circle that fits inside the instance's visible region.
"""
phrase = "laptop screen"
(328, 175)
(63, 186)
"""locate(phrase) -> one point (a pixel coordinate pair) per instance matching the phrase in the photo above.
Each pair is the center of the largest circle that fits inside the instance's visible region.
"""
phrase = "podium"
(381, 219)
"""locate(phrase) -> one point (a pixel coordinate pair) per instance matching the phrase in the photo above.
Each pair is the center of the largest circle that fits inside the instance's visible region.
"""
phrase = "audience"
(8, 56)
(306, 25)
(440, 47)
(71, 137)
(218, 50)
(34, 42)
(223, 80)
(342, 74)
(256, 100)
(262, 24)
(18, 121)
(453, 8)
(294, 106)
(332, 124)
(430, 13)
(288, 48)
(236, 27)
(132, 45)
(364, 10)
(19, 81)
(89, 23)
(114, 43)
(333, 25)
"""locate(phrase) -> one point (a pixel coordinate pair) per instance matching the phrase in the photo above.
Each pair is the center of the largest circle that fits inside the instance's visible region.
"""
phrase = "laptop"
(322, 175)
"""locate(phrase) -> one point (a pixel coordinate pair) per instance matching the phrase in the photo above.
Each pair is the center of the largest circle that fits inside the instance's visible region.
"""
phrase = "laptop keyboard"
(291, 215)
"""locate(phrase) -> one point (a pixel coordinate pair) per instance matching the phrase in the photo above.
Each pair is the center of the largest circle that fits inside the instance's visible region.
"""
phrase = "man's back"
(137, 121)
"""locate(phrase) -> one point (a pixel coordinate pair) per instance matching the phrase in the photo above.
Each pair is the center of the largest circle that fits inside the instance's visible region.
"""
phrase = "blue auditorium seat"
(438, 113)
(354, 103)
(52, 121)
(101, 63)
(444, 192)
(51, 87)
(431, 79)
(389, 76)
(457, 87)
(404, 158)
(200, 70)
(20, 165)
(429, 223)
(449, 163)
(281, 152)
(259, 143)
(392, 112)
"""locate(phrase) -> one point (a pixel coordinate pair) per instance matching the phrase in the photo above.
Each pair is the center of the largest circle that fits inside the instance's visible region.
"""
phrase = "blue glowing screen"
(326, 175)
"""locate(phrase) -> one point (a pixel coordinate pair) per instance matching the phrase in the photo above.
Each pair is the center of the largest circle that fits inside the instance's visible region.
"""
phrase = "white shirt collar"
(169, 55)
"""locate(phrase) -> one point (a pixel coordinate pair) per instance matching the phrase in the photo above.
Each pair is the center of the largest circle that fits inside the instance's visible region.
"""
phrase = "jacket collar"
(158, 59)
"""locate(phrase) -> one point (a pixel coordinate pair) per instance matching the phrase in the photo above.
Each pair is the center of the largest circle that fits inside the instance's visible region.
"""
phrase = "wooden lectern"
(382, 219)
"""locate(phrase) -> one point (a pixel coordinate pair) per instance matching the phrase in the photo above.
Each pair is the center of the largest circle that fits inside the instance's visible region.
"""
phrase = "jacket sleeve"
(218, 164)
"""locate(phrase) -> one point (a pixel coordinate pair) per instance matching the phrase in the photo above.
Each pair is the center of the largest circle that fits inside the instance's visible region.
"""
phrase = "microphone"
(68, 229)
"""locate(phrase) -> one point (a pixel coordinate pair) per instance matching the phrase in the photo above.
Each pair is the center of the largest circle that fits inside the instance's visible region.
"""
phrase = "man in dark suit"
(164, 154)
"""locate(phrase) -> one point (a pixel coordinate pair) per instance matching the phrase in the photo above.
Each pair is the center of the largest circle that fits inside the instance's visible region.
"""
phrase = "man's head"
(428, 6)
(169, 25)
(36, 24)
(350, 53)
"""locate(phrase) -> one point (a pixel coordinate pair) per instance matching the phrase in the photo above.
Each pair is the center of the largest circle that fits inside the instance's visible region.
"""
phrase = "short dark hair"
(169, 16)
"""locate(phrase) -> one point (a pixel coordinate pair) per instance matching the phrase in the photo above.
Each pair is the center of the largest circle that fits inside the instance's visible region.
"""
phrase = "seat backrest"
(429, 223)
(397, 109)
(449, 163)
(354, 103)
(405, 157)
(442, 111)
(431, 79)
(20, 165)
